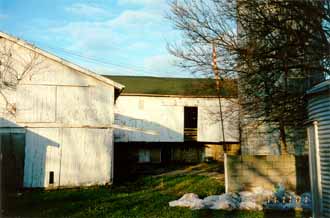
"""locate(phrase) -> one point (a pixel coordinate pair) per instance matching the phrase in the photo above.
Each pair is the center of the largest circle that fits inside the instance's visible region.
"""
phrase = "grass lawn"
(147, 196)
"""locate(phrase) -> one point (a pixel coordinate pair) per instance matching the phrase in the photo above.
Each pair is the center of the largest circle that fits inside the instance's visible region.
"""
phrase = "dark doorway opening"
(12, 147)
(190, 123)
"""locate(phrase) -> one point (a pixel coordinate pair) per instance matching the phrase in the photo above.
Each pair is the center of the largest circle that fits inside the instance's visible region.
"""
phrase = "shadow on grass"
(145, 197)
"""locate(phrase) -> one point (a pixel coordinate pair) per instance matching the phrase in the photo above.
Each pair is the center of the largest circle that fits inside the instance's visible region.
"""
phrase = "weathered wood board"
(165, 115)
(67, 113)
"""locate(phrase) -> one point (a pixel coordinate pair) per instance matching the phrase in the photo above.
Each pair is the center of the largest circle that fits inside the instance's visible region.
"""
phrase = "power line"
(91, 59)
(75, 52)
(99, 61)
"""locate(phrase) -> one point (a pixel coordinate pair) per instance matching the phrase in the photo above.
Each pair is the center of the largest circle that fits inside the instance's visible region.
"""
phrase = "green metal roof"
(174, 86)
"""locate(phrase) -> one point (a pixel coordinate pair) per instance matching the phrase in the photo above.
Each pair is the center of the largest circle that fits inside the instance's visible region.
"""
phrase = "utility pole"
(217, 83)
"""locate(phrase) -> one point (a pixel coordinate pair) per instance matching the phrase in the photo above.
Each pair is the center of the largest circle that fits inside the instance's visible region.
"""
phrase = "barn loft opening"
(190, 123)
(51, 177)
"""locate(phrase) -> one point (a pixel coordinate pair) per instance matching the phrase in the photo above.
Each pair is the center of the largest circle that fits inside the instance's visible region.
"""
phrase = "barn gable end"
(65, 114)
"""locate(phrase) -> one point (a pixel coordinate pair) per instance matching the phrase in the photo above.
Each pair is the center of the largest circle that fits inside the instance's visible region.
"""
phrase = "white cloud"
(88, 38)
(137, 19)
(157, 65)
(131, 29)
(113, 70)
(162, 64)
(83, 9)
(145, 3)
(134, 39)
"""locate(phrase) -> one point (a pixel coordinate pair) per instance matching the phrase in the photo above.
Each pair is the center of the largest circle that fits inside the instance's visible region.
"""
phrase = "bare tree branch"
(275, 48)
(15, 67)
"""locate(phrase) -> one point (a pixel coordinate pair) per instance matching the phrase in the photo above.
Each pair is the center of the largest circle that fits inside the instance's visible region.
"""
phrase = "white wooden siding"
(36, 104)
(165, 115)
(41, 154)
(54, 97)
(86, 156)
(84, 105)
(209, 124)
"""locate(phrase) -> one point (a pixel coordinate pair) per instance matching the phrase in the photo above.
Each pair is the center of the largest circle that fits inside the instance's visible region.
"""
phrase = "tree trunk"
(284, 148)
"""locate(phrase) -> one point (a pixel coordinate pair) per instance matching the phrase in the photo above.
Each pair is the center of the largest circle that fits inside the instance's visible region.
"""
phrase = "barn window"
(144, 156)
(151, 155)
(190, 123)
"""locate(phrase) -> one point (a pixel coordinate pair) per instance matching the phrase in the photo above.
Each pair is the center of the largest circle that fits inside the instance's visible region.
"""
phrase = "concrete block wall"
(246, 172)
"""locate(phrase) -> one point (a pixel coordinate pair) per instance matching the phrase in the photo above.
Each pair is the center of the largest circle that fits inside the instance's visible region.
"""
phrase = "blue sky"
(122, 37)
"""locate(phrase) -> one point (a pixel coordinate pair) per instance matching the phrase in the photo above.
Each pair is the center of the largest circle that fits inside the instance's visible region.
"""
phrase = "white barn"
(56, 123)
(179, 120)
(165, 115)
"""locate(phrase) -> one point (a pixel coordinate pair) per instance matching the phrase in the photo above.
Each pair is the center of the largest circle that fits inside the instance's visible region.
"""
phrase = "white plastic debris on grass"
(255, 200)
(210, 200)
(189, 200)
(257, 197)
(228, 201)
(250, 205)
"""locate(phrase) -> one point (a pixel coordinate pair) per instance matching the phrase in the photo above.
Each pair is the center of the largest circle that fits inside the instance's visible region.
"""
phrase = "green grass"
(146, 197)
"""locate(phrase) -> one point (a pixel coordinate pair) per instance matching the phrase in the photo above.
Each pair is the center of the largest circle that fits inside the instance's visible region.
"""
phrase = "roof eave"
(175, 96)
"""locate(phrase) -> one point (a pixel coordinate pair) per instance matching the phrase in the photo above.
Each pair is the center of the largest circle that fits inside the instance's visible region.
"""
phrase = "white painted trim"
(22, 125)
(68, 85)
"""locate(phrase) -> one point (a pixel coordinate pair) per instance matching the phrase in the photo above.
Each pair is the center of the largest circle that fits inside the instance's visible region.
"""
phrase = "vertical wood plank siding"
(61, 107)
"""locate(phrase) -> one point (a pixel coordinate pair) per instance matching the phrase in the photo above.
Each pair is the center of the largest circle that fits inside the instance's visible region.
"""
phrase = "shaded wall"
(126, 160)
